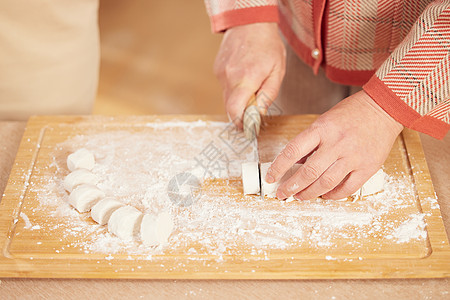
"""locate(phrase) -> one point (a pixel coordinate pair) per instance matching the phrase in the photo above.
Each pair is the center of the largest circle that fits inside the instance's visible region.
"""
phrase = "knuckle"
(328, 181)
(310, 171)
(237, 73)
(291, 151)
(231, 71)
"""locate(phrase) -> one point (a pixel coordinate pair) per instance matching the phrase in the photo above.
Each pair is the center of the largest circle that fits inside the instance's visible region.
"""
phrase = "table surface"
(438, 157)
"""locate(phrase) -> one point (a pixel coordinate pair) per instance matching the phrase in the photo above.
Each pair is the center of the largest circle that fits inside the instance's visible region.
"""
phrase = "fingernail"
(281, 195)
(269, 178)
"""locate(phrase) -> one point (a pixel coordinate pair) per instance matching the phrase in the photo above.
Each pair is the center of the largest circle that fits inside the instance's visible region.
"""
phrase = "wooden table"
(438, 157)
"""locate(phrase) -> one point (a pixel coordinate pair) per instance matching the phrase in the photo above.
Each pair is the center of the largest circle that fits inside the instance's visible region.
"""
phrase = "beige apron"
(49, 57)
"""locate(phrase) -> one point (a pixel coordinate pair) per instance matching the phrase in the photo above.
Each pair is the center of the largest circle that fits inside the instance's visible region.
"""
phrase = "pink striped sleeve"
(413, 84)
(225, 14)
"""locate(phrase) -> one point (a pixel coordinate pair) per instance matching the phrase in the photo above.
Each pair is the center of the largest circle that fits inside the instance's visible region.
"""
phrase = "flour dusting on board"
(137, 166)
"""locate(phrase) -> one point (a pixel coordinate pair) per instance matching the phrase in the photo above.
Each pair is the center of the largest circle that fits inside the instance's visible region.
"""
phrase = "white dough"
(270, 189)
(80, 176)
(102, 211)
(84, 196)
(374, 185)
(81, 159)
(125, 222)
(156, 230)
(353, 196)
(250, 178)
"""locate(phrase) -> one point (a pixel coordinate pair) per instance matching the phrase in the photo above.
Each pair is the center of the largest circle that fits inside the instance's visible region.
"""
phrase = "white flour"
(137, 169)
(413, 228)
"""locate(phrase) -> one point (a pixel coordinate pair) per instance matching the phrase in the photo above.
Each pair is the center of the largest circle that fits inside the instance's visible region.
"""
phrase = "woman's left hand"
(345, 146)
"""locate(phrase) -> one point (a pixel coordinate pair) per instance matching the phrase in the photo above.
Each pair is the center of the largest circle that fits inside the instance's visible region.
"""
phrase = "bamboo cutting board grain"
(21, 257)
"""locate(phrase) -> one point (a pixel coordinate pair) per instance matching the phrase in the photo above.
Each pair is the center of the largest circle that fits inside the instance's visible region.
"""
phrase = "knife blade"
(252, 125)
(261, 194)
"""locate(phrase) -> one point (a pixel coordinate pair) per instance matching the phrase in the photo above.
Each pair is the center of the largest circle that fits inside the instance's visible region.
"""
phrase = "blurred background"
(157, 58)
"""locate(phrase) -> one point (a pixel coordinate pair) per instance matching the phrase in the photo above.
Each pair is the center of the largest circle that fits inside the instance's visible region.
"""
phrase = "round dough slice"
(102, 211)
(80, 176)
(81, 159)
(250, 178)
(374, 185)
(84, 196)
(125, 222)
(156, 230)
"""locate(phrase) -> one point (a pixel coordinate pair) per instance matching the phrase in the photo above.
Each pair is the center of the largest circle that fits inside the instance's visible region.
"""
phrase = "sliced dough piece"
(375, 184)
(270, 189)
(125, 222)
(81, 159)
(250, 178)
(80, 176)
(148, 230)
(84, 196)
(102, 211)
(156, 230)
(164, 225)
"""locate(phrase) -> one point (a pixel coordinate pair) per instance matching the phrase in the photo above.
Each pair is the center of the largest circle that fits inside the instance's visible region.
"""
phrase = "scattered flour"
(26, 220)
(413, 228)
(137, 169)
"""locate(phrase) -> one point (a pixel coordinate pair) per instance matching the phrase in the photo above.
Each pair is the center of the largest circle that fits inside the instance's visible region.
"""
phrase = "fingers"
(237, 101)
(295, 150)
(308, 173)
(348, 186)
(330, 179)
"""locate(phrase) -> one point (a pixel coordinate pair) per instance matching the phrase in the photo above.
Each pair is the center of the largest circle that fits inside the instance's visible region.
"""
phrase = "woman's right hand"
(251, 60)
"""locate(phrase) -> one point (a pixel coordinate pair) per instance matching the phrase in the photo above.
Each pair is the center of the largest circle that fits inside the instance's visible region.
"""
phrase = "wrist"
(258, 27)
(393, 124)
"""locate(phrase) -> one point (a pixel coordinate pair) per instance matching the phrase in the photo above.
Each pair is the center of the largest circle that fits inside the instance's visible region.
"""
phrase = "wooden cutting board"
(31, 253)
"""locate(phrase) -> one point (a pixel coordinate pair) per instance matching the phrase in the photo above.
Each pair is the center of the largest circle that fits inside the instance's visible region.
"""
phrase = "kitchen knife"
(252, 125)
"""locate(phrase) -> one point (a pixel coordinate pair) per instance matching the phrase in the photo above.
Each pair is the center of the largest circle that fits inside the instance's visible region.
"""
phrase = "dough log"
(375, 184)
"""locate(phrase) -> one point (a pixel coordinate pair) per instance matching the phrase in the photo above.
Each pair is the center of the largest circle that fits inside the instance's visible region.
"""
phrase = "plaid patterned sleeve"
(225, 14)
(413, 84)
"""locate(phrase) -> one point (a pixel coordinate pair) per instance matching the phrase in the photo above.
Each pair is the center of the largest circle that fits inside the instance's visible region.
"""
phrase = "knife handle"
(252, 119)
